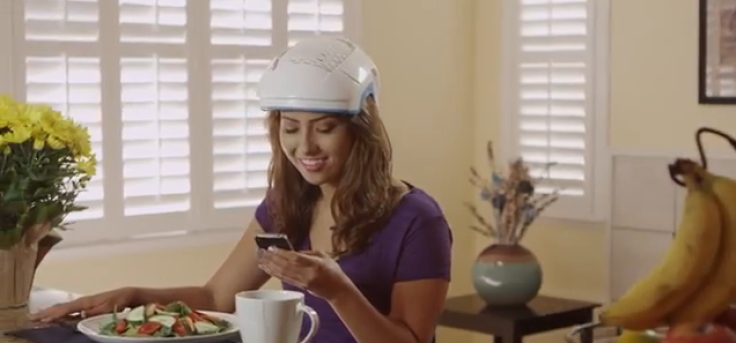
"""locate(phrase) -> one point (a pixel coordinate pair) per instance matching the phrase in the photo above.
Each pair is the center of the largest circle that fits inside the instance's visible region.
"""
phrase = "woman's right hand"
(90, 305)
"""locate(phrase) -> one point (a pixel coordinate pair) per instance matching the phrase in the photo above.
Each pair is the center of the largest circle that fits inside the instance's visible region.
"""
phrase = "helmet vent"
(325, 53)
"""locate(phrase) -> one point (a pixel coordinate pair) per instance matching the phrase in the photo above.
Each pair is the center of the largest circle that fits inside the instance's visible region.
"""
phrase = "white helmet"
(319, 74)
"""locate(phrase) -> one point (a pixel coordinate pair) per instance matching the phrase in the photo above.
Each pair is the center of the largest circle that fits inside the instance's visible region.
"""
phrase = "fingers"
(96, 310)
(288, 266)
(304, 257)
(86, 306)
(282, 274)
(58, 311)
(315, 253)
(283, 257)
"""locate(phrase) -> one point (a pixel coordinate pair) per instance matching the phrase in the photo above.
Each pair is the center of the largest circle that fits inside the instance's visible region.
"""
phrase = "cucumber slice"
(137, 315)
(172, 314)
(204, 328)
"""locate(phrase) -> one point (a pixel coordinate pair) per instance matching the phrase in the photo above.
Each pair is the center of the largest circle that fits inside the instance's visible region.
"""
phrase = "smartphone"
(278, 240)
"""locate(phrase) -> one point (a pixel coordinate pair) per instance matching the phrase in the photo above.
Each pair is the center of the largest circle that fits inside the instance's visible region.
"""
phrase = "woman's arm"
(239, 272)
(418, 295)
(415, 307)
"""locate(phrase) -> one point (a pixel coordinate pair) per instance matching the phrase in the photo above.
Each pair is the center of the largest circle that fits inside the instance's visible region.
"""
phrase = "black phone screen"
(278, 240)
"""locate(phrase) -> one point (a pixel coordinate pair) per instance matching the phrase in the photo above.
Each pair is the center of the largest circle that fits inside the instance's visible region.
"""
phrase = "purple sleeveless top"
(415, 244)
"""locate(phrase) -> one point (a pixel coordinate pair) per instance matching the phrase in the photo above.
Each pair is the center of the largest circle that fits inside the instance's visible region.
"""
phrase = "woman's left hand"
(313, 271)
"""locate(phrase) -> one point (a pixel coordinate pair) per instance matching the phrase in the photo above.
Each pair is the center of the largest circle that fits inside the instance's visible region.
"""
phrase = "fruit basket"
(603, 334)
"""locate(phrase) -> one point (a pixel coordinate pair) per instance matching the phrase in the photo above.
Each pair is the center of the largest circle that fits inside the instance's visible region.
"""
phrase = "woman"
(372, 252)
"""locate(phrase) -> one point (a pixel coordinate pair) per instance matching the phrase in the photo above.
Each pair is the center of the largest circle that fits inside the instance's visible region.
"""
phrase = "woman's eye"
(290, 130)
(326, 129)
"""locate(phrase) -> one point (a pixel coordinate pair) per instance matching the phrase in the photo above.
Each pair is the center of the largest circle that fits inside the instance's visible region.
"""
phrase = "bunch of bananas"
(696, 280)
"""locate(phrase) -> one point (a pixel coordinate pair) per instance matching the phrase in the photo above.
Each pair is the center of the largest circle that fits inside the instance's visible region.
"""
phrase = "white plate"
(91, 328)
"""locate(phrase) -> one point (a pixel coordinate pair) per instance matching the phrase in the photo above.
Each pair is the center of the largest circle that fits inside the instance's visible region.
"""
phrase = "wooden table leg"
(586, 335)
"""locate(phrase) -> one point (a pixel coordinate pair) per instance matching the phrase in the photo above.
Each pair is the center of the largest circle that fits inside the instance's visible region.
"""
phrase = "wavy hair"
(365, 195)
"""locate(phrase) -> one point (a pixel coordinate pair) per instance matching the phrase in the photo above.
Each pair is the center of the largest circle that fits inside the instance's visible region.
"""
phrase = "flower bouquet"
(506, 273)
(45, 162)
(512, 198)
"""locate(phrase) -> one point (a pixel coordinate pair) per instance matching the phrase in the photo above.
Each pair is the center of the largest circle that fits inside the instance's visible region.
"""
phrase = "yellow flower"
(18, 134)
(38, 144)
(88, 167)
(44, 127)
(54, 143)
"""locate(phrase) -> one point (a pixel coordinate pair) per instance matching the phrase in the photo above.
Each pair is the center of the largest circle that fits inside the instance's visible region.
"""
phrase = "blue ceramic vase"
(507, 275)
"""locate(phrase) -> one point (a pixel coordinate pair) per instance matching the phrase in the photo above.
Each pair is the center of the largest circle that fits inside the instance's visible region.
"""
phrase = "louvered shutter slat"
(307, 17)
(554, 101)
(64, 79)
(153, 21)
(240, 146)
(239, 22)
(154, 108)
(155, 135)
(238, 129)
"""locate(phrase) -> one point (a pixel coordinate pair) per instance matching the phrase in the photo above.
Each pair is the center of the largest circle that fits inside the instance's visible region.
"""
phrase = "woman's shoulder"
(417, 240)
(416, 211)
(417, 204)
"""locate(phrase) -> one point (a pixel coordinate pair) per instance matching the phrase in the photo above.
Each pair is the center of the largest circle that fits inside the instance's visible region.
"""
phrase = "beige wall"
(440, 61)
(654, 80)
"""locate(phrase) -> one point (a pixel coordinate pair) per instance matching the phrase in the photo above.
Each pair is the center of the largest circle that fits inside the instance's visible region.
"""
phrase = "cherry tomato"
(149, 328)
(179, 329)
(121, 326)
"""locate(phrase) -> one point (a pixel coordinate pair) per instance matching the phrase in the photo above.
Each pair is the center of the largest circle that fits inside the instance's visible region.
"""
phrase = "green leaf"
(76, 208)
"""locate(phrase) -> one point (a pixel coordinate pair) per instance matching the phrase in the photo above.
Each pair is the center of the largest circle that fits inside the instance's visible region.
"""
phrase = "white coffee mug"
(267, 316)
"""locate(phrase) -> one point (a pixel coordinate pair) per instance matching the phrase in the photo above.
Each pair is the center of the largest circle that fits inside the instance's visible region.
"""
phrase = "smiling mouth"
(313, 163)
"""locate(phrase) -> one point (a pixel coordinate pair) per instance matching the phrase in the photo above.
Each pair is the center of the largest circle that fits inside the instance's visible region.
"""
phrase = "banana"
(649, 301)
(719, 286)
(628, 336)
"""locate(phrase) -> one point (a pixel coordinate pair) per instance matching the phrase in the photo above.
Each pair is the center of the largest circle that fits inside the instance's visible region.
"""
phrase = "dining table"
(41, 298)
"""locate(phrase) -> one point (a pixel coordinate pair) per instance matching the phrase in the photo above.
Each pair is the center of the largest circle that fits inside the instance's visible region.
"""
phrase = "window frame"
(199, 236)
(598, 166)
(6, 40)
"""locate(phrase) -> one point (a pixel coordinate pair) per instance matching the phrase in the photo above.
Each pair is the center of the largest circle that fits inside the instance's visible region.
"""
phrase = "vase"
(506, 274)
(17, 270)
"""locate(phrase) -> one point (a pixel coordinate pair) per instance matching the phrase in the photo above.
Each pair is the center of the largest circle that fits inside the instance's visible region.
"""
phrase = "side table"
(510, 324)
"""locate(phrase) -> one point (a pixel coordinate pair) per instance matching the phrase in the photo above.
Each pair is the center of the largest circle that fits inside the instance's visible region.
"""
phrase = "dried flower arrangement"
(512, 198)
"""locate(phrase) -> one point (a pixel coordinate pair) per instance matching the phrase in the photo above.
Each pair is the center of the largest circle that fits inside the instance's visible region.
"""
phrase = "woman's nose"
(307, 143)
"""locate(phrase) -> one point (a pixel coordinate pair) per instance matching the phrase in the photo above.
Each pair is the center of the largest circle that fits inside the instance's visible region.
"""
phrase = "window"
(167, 89)
(555, 106)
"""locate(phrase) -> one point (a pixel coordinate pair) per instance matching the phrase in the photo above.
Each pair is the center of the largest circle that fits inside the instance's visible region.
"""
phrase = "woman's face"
(317, 144)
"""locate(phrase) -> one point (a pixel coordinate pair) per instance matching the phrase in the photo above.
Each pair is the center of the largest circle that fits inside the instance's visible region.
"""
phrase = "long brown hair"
(365, 196)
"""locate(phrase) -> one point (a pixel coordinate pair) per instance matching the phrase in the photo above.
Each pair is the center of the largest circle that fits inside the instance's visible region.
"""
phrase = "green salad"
(155, 320)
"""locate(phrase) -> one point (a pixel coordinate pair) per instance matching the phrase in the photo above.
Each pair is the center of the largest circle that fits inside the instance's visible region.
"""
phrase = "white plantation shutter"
(240, 148)
(154, 108)
(168, 91)
(57, 61)
(550, 103)
(306, 16)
